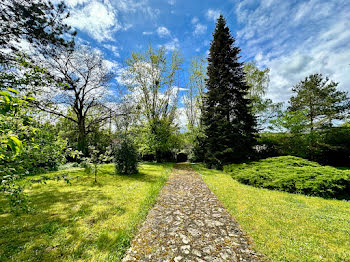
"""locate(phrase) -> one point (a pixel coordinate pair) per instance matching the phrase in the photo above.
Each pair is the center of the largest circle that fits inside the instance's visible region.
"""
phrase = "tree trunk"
(82, 145)
(158, 156)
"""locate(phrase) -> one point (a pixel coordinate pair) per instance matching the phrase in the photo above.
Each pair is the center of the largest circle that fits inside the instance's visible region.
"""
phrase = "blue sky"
(293, 38)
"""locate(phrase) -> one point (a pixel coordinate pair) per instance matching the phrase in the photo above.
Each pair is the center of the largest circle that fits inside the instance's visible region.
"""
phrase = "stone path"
(189, 224)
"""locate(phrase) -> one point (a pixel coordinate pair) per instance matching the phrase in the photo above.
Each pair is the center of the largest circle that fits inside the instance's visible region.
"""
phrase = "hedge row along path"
(189, 224)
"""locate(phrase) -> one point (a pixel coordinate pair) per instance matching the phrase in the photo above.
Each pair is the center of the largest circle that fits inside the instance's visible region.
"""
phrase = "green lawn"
(83, 221)
(285, 226)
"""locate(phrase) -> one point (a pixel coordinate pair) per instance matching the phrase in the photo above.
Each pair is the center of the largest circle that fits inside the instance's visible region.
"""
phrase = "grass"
(284, 226)
(83, 221)
(295, 175)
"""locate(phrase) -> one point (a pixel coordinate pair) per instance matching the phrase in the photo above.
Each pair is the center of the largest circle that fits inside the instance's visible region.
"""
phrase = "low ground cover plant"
(294, 175)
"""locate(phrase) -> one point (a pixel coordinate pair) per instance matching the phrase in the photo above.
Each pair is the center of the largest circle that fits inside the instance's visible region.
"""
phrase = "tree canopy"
(229, 125)
(321, 100)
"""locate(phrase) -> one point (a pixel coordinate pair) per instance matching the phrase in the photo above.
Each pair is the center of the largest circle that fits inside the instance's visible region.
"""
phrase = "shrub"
(125, 156)
(93, 163)
(330, 146)
(294, 175)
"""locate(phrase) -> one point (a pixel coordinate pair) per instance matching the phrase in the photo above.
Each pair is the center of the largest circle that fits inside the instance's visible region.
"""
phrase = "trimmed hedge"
(328, 147)
(294, 175)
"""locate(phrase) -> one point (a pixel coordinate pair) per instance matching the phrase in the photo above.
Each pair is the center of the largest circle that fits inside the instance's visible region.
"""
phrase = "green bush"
(282, 144)
(42, 148)
(329, 146)
(294, 175)
(125, 156)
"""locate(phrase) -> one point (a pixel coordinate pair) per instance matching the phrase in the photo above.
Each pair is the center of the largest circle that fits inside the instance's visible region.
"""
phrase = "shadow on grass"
(38, 228)
(139, 177)
(57, 228)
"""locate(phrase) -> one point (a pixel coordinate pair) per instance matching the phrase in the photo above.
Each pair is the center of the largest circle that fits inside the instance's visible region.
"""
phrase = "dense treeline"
(331, 146)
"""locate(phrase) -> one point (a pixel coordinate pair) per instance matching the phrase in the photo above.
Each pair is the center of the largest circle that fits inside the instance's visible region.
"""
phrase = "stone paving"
(189, 224)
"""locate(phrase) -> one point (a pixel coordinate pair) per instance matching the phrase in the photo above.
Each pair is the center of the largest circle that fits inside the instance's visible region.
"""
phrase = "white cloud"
(113, 49)
(72, 3)
(147, 33)
(194, 20)
(111, 65)
(181, 119)
(172, 45)
(97, 19)
(162, 31)
(172, 2)
(295, 40)
(213, 14)
(100, 18)
(151, 12)
(199, 29)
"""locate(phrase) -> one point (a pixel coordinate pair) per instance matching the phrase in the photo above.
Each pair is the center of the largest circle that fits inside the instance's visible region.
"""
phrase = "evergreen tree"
(322, 101)
(229, 125)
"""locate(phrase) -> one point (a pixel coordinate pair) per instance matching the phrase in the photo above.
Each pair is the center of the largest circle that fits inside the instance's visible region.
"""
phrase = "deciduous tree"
(152, 80)
(193, 97)
(83, 79)
(262, 108)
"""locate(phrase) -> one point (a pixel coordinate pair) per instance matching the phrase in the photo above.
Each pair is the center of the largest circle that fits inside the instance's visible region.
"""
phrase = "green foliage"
(294, 122)
(41, 147)
(9, 105)
(159, 138)
(93, 163)
(125, 156)
(295, 175)
(335, 146)
(281, 144)
(25, 146)
(10, 148)
(258, 80)
(195, 138)
(98, 137)
(227, 120)
(193, 98)
(329, 146)
(153, 77)
(36, 148)
(38, 22)
(321, 100)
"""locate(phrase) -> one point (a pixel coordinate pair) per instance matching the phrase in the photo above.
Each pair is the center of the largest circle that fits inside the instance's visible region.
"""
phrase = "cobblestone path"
(189, 224)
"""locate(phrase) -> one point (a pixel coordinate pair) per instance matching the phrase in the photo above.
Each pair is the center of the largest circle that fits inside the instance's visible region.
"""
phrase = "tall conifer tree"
(229, 125)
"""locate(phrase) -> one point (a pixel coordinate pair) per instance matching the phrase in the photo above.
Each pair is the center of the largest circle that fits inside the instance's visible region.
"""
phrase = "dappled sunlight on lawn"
(81, 220)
